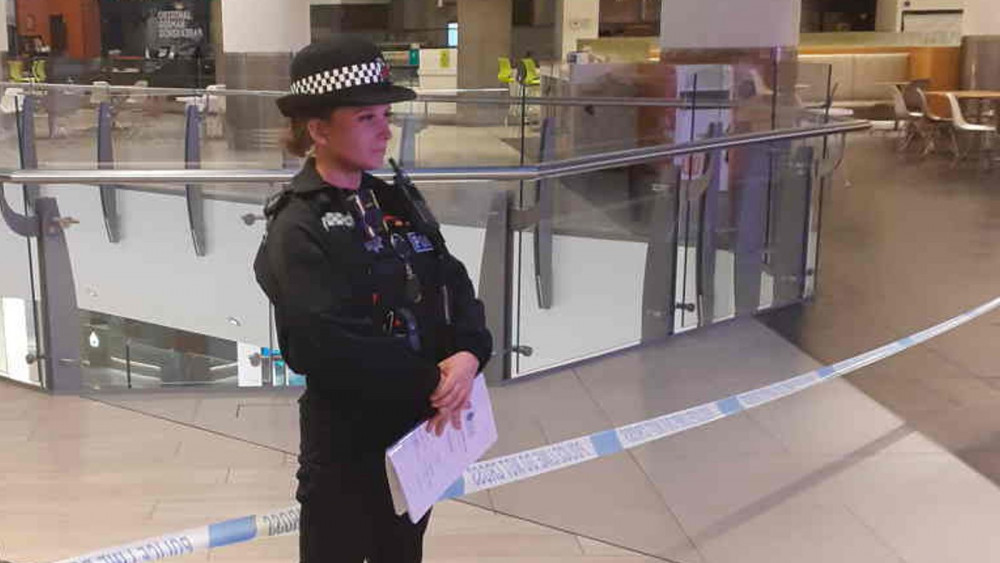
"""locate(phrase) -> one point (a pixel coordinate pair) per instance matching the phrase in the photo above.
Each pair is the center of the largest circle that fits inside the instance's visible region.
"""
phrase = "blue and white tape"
(524, 465)
(237, 530)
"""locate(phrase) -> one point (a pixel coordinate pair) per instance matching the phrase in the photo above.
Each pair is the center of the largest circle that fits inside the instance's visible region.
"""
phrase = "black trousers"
(347, 516)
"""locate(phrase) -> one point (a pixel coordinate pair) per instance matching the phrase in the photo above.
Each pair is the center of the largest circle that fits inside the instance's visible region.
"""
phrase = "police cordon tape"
(519, 466)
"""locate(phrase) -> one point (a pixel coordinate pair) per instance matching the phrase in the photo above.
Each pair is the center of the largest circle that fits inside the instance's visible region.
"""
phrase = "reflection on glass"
(125, 353)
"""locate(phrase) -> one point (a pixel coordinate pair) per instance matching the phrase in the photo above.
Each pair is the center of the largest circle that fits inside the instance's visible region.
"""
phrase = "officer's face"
(356, 137)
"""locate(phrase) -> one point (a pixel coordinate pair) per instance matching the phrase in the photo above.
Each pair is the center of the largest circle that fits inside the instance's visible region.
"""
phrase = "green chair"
(506, 74)
(17, 71)
(38, 70)
(531, 76)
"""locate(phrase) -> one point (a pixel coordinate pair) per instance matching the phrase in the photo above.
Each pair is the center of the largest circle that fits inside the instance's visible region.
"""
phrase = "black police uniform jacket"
(364, 389)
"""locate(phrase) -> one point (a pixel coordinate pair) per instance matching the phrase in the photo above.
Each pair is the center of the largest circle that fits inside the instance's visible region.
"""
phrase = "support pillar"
(7, 19)
(980, 45)
(575, 20)
(484, 34)
(259, 38)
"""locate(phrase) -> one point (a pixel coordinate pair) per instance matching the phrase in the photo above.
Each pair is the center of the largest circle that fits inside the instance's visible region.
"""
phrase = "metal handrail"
(167, 91)
(433, 95)
(555, 169)
(581, 101)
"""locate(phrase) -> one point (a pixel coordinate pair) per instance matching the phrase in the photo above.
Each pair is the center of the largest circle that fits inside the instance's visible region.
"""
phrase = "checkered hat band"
(339, 78)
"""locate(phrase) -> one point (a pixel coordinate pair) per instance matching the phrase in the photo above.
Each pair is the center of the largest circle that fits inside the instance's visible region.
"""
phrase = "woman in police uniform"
(369, 304)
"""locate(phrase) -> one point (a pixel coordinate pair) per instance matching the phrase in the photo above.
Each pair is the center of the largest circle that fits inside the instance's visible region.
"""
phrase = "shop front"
(149, 42)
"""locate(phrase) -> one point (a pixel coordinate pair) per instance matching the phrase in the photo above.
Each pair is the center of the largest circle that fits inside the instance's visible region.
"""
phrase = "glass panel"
(19, 283)
(682, 239)
(481, 128)
(813, 91)
(709, 89)
(601, 107)
(611, 259)
(210, 298)
(18, 291)
(180, 319)
(64, 127)
(464, 210)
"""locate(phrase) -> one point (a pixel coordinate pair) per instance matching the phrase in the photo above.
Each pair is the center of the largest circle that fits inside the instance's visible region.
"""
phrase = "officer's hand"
(457, 373)
(438, 422)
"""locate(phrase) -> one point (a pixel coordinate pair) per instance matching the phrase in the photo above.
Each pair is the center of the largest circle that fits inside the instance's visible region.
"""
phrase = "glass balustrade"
(571, 265)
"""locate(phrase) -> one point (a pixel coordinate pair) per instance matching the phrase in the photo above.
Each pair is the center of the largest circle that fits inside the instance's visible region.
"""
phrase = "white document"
(422, 466)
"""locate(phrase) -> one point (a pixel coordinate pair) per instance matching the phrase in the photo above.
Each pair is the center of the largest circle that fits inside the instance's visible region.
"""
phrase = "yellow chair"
(38, 70)
(531, 76)
(17, 71)
(506, 74)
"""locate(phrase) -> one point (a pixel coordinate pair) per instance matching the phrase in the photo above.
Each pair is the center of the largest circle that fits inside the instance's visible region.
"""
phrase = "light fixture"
(95, 342)
(234, 321)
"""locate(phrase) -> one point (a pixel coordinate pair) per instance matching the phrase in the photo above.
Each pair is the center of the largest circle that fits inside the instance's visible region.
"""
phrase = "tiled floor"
(912, 243)
(80, 475)
(828, 475)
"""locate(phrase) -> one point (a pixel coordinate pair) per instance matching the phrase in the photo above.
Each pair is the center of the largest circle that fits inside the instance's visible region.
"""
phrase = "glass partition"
(19, 290)
(641, 252)
(620, 256)
(153, 277)
(19, 341)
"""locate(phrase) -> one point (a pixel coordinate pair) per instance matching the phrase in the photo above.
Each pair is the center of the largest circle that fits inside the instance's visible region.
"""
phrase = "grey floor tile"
(799, 532)
(814, 420)
(703, 367)
(973, 346)
(559, 402)
(609, 500)
(926, 510)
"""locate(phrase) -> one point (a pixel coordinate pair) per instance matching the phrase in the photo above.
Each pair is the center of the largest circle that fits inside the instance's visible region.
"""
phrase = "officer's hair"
(297, 140)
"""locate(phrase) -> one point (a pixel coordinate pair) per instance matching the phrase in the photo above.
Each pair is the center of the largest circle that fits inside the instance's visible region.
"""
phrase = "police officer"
(369, 306)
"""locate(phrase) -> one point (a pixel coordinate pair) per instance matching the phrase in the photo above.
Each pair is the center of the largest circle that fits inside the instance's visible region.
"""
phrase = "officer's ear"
(320, 130)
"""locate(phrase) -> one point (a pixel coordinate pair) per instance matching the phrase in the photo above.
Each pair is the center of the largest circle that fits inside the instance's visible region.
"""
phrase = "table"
(969, 94)
(979, 96)
(897, 84)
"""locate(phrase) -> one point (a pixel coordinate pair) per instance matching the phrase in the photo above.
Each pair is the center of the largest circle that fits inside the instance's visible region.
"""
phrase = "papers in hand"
(422, 465)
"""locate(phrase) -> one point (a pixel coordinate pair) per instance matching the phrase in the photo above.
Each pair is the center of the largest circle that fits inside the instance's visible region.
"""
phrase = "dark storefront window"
(163, 43)
(155, 27)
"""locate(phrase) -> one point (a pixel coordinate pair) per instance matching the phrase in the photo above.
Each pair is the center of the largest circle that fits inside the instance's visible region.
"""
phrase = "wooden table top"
(970, 94)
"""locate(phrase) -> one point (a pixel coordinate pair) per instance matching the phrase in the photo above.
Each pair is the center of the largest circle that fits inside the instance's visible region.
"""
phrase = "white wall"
(575, 19)
(982, 17)
(689, 24)
(6, 16)
(889, 14)
(265, 26)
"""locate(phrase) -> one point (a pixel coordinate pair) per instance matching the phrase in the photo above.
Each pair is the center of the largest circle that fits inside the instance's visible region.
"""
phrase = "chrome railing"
(482, 96)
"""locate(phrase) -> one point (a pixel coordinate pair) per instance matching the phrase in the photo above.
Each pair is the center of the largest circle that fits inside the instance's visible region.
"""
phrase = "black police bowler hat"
(346, 71)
